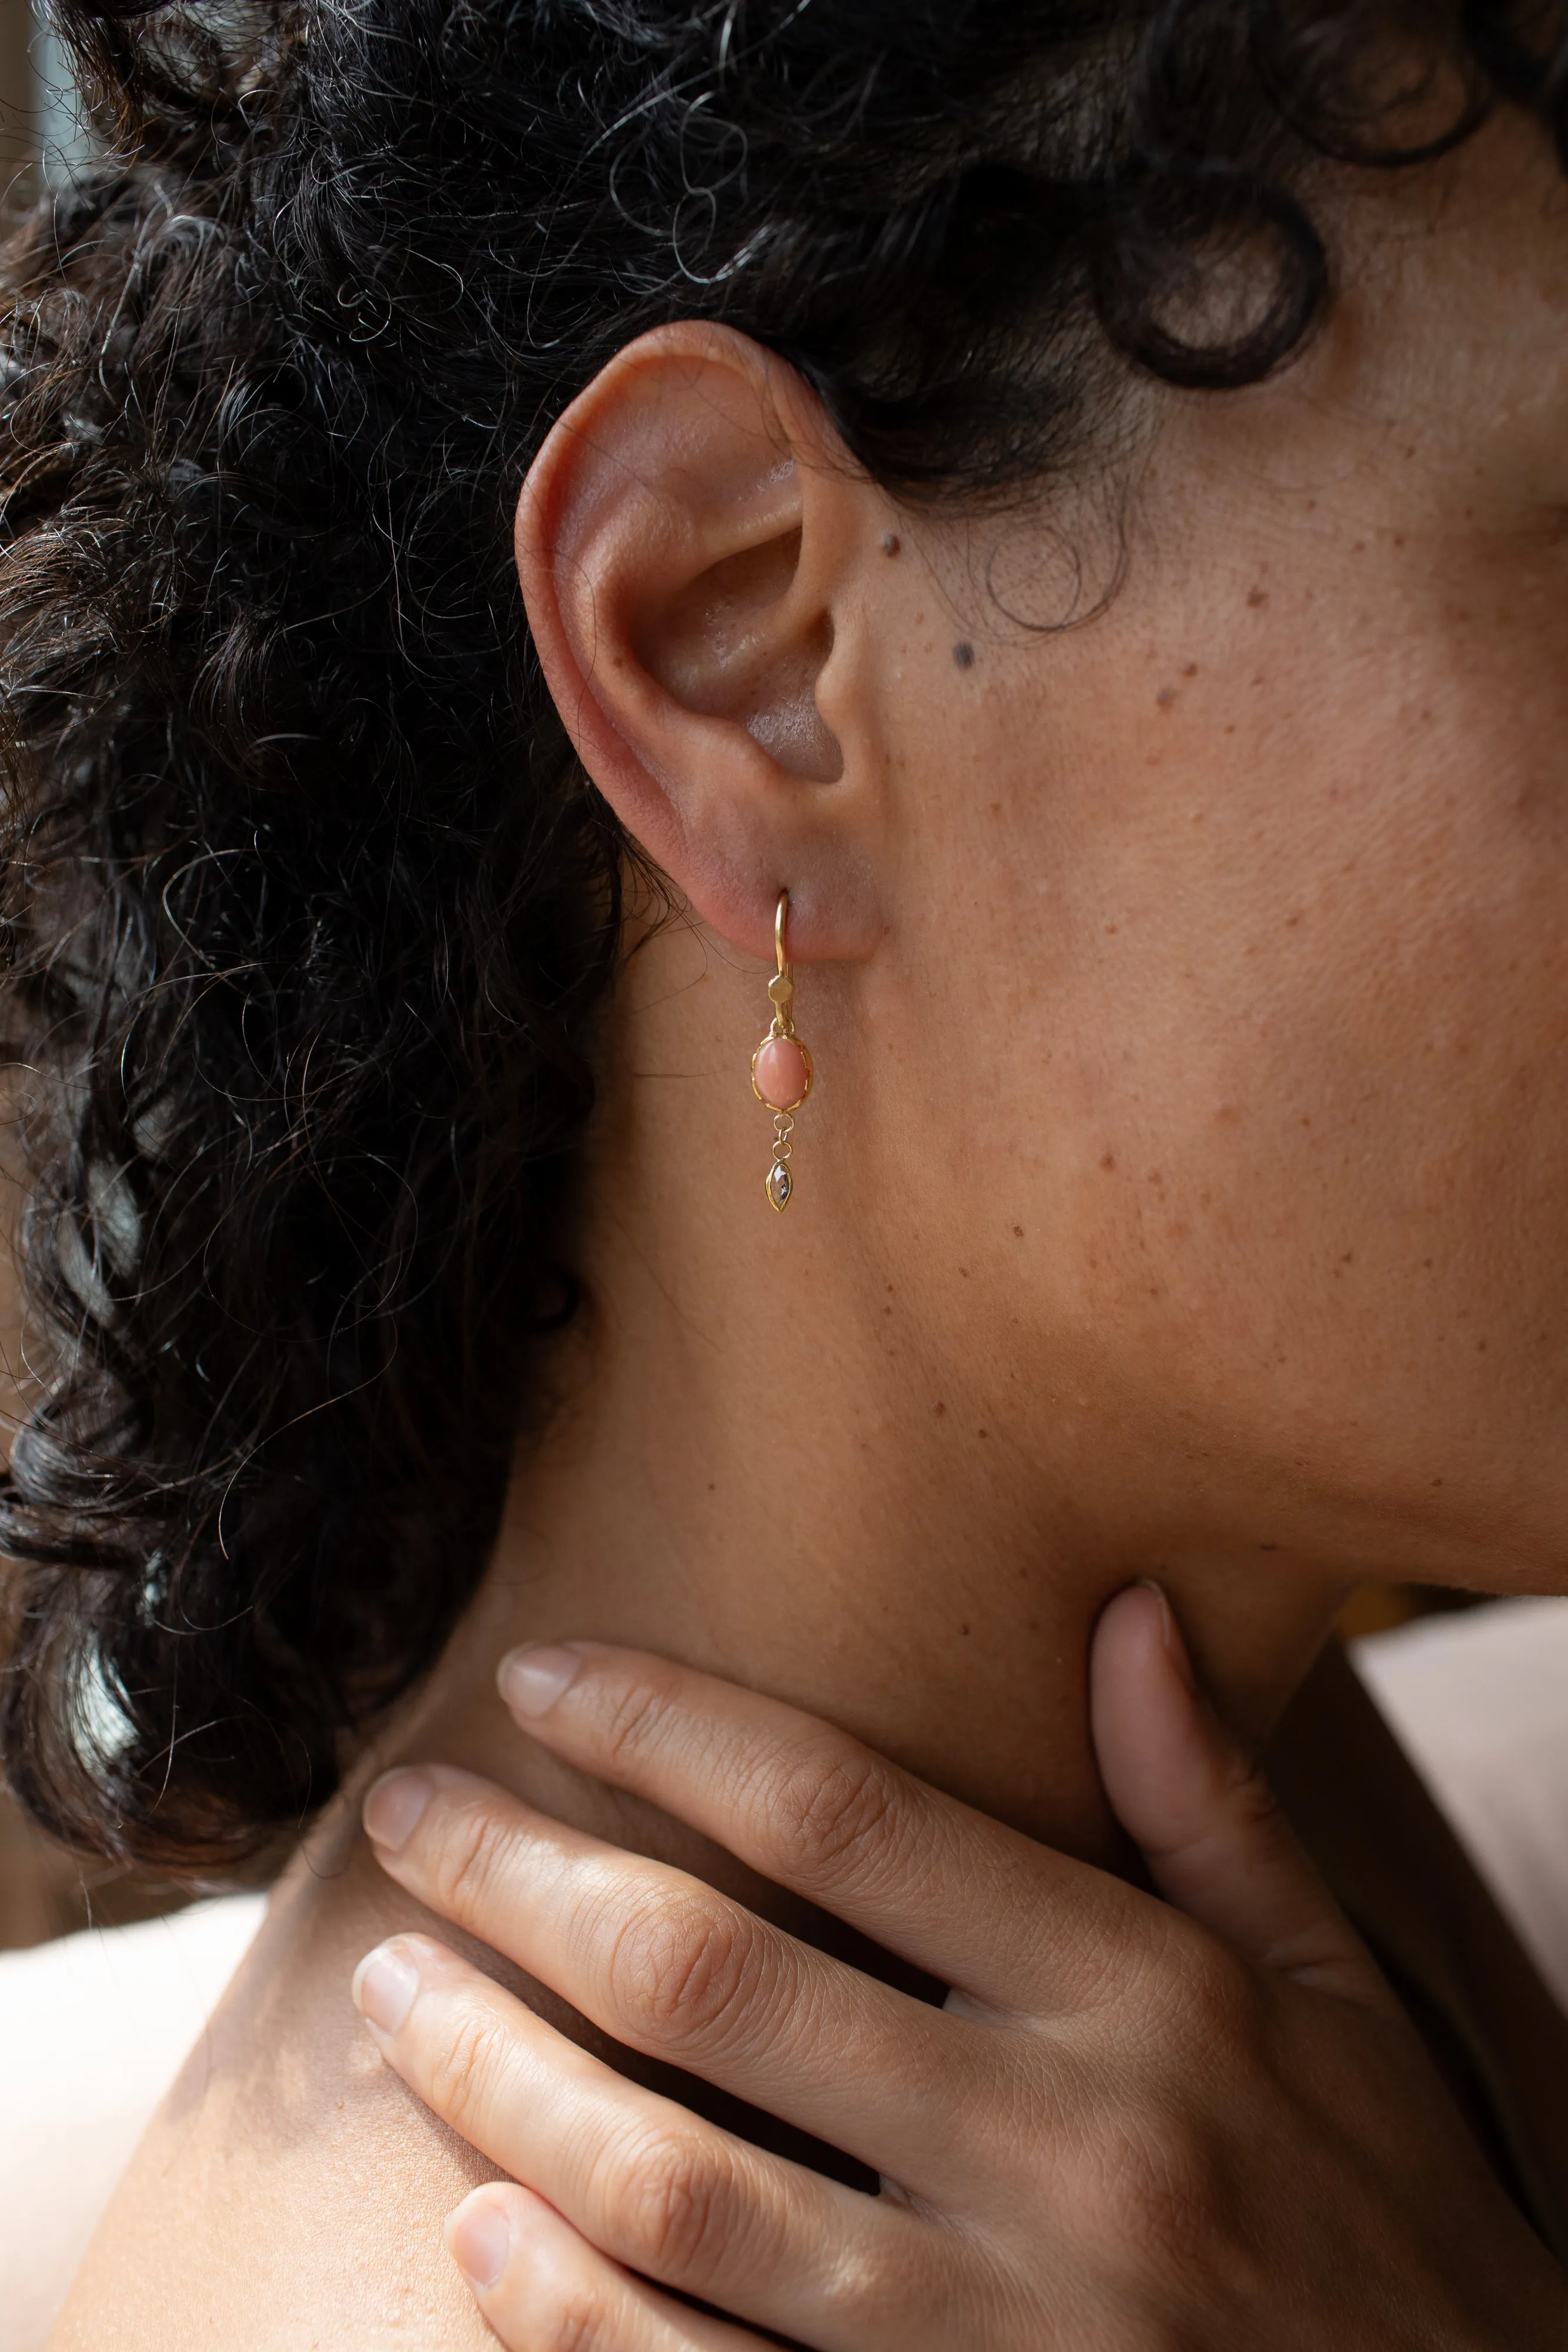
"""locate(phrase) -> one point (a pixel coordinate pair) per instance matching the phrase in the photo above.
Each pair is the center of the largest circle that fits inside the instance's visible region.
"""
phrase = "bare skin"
(1182, 1188)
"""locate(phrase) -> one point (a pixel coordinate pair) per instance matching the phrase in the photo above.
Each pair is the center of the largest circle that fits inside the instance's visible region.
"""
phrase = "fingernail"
(1175, 1648)
(393, 1807)
(532, 1680)
(384, 1986)
(479, 2237)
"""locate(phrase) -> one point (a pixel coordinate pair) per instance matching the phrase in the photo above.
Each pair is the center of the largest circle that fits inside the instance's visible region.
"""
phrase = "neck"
(768, 1462)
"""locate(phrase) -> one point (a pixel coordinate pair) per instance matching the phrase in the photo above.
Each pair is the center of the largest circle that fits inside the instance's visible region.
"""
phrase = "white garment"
(1479, 1701)
(93, 2030)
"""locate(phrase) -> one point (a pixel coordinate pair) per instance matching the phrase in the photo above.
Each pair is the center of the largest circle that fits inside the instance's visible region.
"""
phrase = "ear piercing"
(781, 1066)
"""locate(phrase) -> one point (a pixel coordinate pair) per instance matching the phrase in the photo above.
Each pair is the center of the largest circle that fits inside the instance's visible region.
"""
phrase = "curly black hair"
(308, 912)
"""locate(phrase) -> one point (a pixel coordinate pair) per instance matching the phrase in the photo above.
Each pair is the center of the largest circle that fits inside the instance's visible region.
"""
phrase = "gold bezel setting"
(772, 1037)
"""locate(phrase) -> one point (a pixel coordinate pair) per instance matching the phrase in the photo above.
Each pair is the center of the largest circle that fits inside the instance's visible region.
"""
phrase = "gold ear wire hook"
(781, 988)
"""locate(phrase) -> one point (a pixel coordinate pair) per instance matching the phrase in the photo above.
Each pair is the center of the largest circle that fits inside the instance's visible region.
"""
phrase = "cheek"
(1269, 1056)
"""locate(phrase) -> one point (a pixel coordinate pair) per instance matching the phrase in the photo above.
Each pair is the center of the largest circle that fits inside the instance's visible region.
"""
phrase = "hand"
(1201, 2122)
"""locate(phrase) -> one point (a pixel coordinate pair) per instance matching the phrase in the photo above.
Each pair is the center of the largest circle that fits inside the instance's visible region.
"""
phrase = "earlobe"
(686, 543)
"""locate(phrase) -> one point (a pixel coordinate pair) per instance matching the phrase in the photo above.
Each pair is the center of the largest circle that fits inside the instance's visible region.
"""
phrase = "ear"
(693, 542)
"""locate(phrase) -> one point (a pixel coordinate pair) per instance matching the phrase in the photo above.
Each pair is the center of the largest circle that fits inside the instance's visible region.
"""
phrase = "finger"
(1216, 1842)
(669, 1966)
(945, 1886)
(541, 2286)
(652, 2186)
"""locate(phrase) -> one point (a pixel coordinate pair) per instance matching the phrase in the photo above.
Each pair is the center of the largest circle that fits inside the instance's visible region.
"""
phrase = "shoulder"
(93, 2030)
(288, 2192)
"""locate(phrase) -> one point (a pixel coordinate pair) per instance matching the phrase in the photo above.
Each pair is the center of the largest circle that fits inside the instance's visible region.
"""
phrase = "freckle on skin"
(1165, 697)
(1018, 1232)
(1107, 1159)
(964, 656)
(1257, 597)
(890, 542)
(1190, 670)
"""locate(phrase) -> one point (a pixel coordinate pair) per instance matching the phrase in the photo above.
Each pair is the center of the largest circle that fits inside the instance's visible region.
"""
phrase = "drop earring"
(781, 1066)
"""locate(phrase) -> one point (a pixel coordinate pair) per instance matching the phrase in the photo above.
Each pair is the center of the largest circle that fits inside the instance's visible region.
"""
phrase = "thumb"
(1216, 1842)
